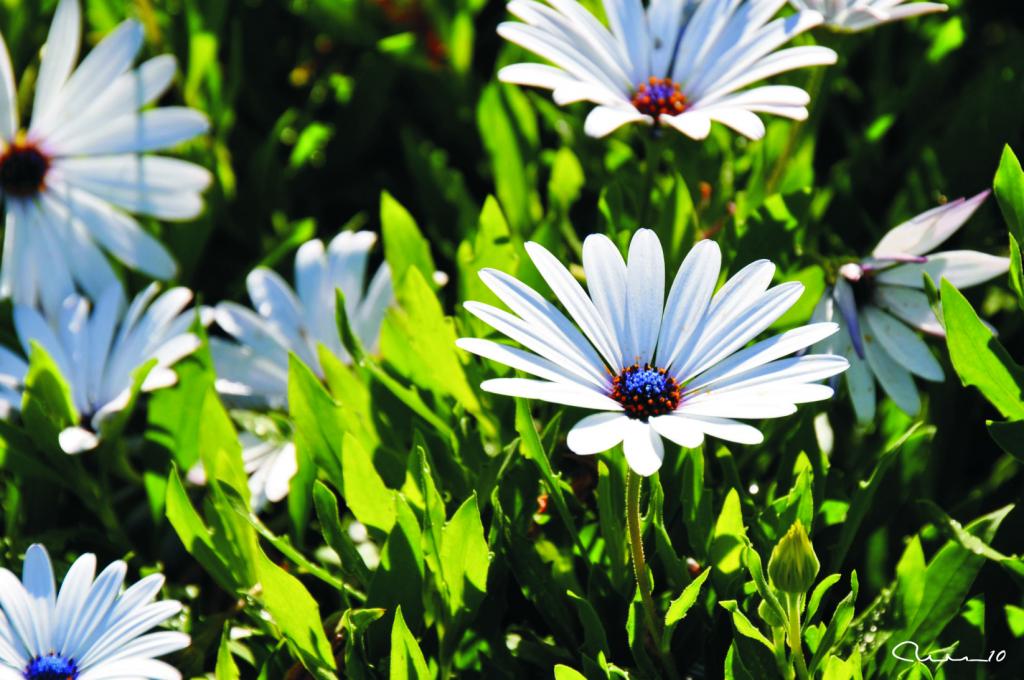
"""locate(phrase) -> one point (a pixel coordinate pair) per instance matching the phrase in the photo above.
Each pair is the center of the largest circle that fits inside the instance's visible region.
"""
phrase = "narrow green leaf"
(1009, 188)
(226, 668)
(407, 662)
(681, 605)
(352, 565)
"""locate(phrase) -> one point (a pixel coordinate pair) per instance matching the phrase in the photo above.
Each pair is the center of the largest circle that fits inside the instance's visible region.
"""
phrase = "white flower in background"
(253, 370)
(269, 461)
(69, 181)
(90, 630)
(676, 368)
(858, 15)
(680, 63)
(97, 350)
(880, 302)
(13, 370)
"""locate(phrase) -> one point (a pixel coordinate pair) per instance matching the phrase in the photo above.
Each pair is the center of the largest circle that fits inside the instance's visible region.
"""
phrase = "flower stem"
(636, 547)
(793, 607)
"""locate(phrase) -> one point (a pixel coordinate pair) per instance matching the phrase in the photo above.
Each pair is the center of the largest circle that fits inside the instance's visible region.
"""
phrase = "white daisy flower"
(880, 302)
(70, 179)
(90, 630)
(97, 350)
(676, 368)
(681, 63)
(255, 368)
(858, 15)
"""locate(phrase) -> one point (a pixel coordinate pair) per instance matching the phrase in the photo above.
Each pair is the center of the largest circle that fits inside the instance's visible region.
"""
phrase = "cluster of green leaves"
(500, 553)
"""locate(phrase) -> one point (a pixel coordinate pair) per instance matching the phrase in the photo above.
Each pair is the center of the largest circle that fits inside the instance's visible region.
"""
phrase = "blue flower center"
(645, 391)
(659, 95)
(23, 169)
(51, 667)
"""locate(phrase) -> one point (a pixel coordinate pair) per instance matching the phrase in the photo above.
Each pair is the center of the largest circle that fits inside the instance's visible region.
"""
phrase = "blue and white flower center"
(23, 169)
(51, 667)
(645, 391)
(659, 95)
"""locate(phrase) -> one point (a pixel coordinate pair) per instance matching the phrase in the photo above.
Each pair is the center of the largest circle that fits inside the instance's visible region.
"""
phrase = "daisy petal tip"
(75, 440)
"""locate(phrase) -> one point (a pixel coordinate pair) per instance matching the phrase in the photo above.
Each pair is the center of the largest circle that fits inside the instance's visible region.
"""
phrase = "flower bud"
(793, 565)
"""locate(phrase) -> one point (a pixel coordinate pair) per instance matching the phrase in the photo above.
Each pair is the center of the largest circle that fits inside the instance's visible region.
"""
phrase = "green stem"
(651, 171)
(636, 548)
(793, 607)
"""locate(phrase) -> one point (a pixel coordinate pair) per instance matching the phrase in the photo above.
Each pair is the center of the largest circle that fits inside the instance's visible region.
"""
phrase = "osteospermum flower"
(254, 369)
(90, 630)
(880, 303)
(70, 179)
(858, 15)
(680, 63)
(654, 367)
(98, 349)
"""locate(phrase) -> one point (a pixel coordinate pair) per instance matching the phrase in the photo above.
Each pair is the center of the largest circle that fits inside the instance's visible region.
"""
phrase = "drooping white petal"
(643, 447)
(894, 379)
(75, 440)
(727, 429)
(597, 433)
(604, 120)
(902, 344)
(678, 430)
(909, 305)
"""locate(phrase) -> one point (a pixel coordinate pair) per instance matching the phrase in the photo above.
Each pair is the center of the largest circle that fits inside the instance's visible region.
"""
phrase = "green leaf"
(407, 662)
(317, 418)
(1009, 188)
(365, 493)
(405, 247)
(837, 627)
(465, 558)
(729, 537)
(1009, 436)
(595, 639)
(226, 668)
(979, 359)
(1016, 271)
(399, 578)
(566, 180)
(819, 592)
(420, 341)
(46, 407)
(563, 672)
(352, 565)
(194, 535)
(349, 340)
(493, 246)
(742, 624)
(297, 617)
(534, 450)
(681, 605)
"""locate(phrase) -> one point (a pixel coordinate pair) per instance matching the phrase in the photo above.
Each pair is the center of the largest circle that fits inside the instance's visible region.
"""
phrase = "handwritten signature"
(993, 656)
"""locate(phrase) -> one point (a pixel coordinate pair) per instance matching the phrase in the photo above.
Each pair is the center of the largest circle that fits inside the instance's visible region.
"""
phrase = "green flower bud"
(793, 565)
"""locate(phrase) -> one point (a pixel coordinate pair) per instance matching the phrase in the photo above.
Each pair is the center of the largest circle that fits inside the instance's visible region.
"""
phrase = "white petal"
(645, 293)
(643, 447)
(922, 234)
(962, 268)
(688, 299)
(122, 236)
(128, 669)
(519, 360)
(678, 430)
(597, 433)
(59, 57)
(150, 130)
(8, 96)
(860, 381)
(911, 306)
(75, 440)
(693, 124)
(729, 430)
(740, 120)
(556, 393)
(895, 380)
(902, 344)
(604, 120)
(606, 283)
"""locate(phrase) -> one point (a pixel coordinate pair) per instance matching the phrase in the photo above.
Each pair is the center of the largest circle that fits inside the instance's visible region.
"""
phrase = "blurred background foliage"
(319, 106)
